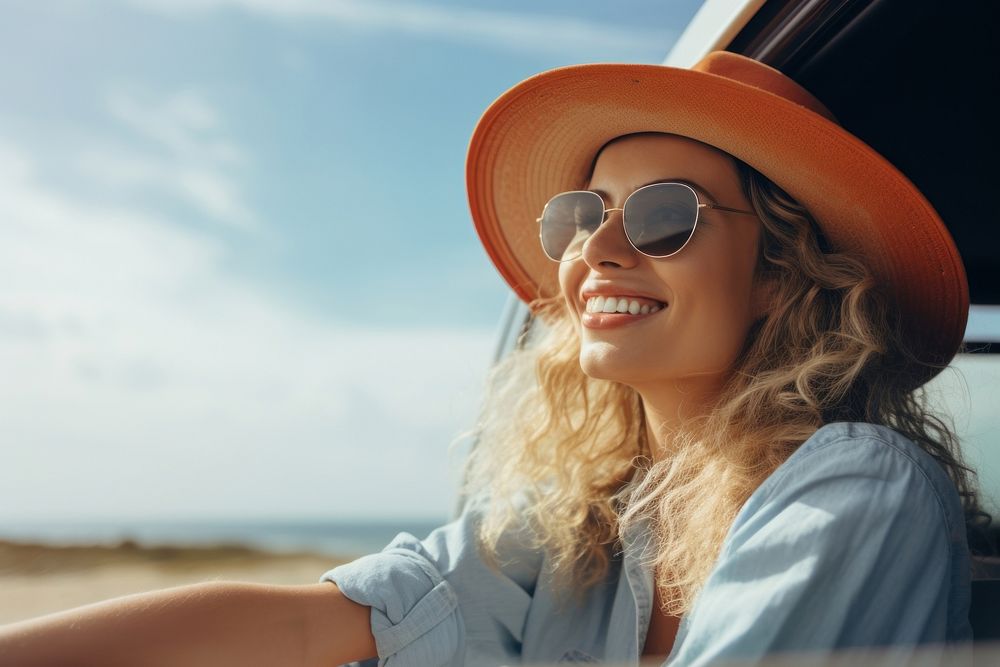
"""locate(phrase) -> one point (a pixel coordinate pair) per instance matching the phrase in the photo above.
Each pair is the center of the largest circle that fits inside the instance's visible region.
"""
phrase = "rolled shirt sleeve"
(431, 598)
(857, 542)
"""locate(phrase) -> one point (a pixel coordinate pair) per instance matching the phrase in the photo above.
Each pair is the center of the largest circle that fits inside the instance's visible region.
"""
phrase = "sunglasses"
(659, 220)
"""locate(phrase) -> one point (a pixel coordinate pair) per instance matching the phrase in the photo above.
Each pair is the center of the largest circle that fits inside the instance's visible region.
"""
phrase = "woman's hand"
(211, 623)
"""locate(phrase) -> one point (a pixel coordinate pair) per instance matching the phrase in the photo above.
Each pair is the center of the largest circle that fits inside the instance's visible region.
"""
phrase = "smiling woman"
(749, 469)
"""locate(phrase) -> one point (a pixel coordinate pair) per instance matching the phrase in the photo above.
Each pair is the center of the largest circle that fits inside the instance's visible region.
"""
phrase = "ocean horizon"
(340, 538)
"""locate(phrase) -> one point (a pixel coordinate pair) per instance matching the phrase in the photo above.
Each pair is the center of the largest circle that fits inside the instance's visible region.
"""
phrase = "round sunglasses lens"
(660, 218)
(567, 221)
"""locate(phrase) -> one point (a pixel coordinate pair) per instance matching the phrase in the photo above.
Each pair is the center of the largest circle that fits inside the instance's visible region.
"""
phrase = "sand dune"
(38, 579)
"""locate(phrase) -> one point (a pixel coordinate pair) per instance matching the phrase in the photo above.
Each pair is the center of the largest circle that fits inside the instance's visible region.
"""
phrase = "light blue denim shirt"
(856, 540)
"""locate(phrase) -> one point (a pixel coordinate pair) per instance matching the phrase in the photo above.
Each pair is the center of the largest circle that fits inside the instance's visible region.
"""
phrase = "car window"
(967, 392)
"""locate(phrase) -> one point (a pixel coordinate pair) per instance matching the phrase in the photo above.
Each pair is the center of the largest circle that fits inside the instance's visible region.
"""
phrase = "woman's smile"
(596, 317)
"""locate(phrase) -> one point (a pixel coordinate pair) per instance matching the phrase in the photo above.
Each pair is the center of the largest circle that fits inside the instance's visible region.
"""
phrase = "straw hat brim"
(540, 137)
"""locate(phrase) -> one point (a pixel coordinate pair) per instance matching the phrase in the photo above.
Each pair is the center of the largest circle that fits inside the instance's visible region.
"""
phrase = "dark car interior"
(917, 80)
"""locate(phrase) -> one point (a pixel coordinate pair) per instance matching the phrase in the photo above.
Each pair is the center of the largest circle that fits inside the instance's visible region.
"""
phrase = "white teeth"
(613, 304)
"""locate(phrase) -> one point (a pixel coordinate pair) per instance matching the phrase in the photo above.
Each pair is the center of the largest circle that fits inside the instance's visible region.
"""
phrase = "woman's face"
(706, 287)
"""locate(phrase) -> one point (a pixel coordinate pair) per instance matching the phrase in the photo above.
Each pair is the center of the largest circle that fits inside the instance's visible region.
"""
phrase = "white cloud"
(189, 159)
(518, 32)
(209, 191)
(141, 379)
(182, 122)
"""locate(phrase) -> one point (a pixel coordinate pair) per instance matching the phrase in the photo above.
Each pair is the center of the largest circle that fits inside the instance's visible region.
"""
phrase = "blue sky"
(237, 271)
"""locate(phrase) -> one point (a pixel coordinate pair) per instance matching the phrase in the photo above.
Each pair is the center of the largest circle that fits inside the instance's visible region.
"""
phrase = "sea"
(324, 537)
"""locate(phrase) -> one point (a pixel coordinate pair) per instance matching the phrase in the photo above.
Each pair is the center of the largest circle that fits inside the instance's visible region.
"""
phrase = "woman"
(716, 447)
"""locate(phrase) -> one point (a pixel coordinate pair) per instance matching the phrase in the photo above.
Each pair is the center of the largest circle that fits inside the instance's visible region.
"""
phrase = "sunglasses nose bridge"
(607, 215)
(602, 230)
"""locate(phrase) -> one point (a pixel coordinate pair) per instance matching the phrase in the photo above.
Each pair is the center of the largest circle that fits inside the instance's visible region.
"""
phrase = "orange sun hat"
(540, 137)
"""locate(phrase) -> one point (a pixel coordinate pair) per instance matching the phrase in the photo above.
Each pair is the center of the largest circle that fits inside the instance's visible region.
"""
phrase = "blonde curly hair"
(830, 349)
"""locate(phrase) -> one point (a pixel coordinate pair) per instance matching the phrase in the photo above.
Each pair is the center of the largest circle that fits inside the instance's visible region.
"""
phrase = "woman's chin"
(607, 367)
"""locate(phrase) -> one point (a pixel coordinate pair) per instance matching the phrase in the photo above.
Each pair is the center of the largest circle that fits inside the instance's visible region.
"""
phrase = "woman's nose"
(608, 243)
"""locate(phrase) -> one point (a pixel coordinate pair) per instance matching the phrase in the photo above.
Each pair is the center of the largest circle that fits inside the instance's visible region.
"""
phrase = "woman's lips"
(611, 320)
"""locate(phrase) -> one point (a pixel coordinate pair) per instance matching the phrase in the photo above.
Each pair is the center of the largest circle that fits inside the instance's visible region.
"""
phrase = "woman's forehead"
(663, 144)
(652, 155)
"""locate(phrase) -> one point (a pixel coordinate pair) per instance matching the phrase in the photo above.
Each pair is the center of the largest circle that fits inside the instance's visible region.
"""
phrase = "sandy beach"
(38, 579)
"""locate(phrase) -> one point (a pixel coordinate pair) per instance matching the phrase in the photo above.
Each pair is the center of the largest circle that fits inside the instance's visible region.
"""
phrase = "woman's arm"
(211, 623)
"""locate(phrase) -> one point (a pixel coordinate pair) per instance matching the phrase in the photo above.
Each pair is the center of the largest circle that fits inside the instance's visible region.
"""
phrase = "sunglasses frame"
(604, 218)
